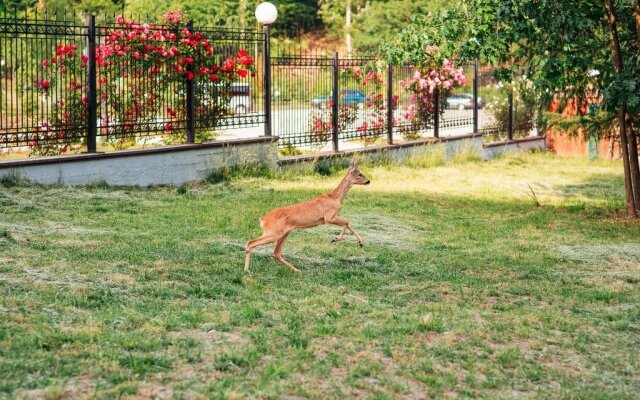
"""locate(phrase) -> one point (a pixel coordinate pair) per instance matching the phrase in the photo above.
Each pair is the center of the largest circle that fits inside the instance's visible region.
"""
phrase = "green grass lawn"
(464, 288)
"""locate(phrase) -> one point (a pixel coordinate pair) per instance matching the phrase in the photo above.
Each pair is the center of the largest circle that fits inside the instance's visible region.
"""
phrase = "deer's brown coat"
(324, 209)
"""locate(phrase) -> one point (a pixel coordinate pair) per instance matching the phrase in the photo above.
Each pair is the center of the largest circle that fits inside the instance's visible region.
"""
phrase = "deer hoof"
(361, 244)
(335, 240)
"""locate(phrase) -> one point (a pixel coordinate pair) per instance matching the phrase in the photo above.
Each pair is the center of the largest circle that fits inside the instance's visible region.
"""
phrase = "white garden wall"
(157, 166)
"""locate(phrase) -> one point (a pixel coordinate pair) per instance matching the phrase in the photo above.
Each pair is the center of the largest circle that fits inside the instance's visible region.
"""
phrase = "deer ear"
(354, 164)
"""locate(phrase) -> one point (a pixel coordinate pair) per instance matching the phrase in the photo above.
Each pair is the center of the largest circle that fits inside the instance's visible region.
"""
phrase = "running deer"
(324, 209)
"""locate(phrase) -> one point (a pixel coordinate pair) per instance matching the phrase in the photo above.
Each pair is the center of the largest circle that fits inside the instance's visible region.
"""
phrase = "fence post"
(510, 122)
(191, 105)
(267, 80)
(92, 107)
(334, 106)
(390, 104)
(475, 96)
(436, 117)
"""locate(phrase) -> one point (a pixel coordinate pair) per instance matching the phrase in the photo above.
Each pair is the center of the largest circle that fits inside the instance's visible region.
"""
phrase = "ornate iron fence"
(48, 100)
(24, 43)
(310, 100)
(326, 102)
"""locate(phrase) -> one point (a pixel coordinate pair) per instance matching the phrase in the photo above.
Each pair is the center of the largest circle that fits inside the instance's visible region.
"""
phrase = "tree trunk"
(633, 158)
(622, 115)
(637, 8)
(243, 12)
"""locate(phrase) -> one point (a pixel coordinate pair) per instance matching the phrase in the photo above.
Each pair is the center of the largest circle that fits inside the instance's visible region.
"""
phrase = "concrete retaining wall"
(449, 148)
(180, 164)
(158, 166)
(492, 150)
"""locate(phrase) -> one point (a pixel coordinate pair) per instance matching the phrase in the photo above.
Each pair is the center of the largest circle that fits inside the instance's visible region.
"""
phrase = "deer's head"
(356, 177)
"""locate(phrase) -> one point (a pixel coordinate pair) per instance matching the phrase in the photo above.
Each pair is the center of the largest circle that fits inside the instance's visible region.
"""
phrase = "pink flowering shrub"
(141, 75)
(67, 120)
(423, 84)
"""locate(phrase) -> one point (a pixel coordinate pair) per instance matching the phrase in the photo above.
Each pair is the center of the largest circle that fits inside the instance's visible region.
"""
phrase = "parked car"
(461, 101)
(345, 98)
(240, 101)
(241, 98)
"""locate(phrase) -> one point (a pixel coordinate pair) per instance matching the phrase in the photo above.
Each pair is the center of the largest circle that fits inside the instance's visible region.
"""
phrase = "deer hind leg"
(339, 237)
(345, 223)
(277, 253)
(264, 239)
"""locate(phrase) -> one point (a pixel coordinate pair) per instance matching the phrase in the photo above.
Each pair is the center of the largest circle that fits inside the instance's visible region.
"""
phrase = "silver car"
(241, 102)
(461, 101)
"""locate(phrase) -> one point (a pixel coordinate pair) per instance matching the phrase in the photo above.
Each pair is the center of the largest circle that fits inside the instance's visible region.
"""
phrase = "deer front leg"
(277, 253)
(345, 223)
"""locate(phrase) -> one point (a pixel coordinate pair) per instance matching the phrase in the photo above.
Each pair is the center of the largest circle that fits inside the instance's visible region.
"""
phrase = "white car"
(241, 102)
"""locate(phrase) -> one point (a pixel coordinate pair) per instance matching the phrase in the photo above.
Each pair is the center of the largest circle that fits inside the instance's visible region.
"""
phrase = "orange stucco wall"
(567, 144)
(570, 144)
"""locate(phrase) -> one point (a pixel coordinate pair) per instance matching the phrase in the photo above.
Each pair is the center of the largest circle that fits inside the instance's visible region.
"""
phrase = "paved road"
(291, 123)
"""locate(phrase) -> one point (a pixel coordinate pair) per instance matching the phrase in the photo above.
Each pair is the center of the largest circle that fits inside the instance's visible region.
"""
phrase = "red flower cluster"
(43, 85)
(68, 51)
(138, 68)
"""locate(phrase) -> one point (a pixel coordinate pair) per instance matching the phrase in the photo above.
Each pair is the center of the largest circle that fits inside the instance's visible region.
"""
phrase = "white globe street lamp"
(266, 13)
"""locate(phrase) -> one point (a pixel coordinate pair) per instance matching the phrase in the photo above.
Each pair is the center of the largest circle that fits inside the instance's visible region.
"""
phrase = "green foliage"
(525, 106)
(16, 5)
(563, 46)
(221, 12)
(296, 16)
(12, 179)
(598, 125)
(289, 150)
(424, 31)
(380, 21)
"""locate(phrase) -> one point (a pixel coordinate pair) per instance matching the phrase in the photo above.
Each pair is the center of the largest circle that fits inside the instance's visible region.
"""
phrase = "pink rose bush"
(369, 124)
(423, 84)
(370, 121)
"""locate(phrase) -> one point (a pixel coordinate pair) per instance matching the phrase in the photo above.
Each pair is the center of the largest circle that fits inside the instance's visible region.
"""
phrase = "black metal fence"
(24, 43)
(47, 100)
(325, 102)
(312, 100)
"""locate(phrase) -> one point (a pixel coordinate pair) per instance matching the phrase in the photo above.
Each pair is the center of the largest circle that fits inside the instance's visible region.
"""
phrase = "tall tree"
(295, 16)
(379, 21)
(560, 43)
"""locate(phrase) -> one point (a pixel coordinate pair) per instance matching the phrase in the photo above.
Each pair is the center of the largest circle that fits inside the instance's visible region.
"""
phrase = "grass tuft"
(12, 179)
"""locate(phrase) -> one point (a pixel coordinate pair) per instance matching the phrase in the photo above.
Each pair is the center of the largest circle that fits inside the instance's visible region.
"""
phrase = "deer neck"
(340, 192)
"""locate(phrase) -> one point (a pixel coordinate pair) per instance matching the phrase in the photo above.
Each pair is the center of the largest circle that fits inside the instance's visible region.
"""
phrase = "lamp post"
(266, 14)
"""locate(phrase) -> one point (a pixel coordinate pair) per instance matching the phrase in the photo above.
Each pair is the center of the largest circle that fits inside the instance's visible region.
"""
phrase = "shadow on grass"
(594, 186)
